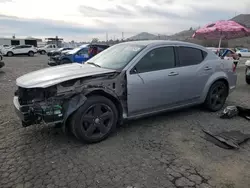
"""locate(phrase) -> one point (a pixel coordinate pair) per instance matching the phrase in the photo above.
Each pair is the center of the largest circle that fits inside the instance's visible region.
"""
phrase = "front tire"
(43, 52)
(95, 120)
(216, 96)
(9, 54)
(65, 61)
(239, 55)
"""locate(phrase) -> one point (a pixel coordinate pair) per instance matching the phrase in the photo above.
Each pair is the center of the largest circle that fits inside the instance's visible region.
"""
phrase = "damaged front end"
(37, 104)
(56, 103)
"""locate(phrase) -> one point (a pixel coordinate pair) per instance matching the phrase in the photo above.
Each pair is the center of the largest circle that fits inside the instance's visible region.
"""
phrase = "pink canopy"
(222, 30)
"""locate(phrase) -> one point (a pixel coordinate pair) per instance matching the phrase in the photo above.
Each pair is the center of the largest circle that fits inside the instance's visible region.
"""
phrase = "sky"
(82, 20)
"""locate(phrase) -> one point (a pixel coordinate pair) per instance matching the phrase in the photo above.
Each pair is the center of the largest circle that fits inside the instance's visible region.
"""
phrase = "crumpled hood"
(54, 75)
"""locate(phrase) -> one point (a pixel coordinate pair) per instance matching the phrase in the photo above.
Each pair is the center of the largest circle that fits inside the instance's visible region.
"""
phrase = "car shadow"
(59, 139)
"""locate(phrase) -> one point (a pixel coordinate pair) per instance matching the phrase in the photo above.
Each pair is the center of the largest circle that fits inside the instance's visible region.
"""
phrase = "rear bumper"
(35, 114)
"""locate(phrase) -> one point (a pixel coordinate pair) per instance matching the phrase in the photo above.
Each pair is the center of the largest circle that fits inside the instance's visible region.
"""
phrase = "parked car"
(78, 55)
(58, 51)
(19, 50)
(4, 46)
(47, 48)
(1, 61)
(126, 81)
(243, 53)
(247, 71)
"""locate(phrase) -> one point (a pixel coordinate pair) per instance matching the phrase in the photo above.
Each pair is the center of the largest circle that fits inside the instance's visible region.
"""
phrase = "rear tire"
(43, 52)
(239, 55)
(31, 54)
(95, 120)
(216, 96)
(9, 54)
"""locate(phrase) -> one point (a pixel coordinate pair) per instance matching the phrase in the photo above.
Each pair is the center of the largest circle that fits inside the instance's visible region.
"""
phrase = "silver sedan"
(127, 81)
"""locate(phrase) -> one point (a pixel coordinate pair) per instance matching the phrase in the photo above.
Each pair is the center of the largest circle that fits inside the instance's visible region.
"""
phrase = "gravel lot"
(159, 152)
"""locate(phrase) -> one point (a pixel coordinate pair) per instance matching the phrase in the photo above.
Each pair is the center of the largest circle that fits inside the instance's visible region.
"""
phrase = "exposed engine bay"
(56, 103)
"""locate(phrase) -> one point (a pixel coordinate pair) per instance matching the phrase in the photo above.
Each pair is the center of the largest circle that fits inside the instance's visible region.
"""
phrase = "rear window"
(190, 56)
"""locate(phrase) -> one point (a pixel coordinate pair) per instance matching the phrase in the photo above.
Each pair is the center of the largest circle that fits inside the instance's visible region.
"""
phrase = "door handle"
(173, 74)
(207, 68)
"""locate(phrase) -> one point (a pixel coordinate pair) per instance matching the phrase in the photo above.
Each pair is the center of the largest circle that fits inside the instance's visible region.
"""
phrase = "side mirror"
(133, 71)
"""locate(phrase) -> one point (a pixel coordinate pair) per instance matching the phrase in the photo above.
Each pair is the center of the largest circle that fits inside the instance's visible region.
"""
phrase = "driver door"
(81, 56)
(153, 84)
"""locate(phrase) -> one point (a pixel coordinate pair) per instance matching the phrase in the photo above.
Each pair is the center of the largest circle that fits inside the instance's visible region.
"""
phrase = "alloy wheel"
(218, 96)
(97, 121)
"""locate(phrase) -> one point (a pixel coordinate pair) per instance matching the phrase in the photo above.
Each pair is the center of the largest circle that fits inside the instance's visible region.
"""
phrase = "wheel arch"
(79, 100)
(211, 81)
(111, 97)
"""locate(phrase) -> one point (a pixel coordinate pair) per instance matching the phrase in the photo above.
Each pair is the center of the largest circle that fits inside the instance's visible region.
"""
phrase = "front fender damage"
(57, 103)
(71, 106)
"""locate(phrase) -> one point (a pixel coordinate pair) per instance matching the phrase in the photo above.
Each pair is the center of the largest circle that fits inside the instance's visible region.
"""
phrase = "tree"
(95, 40)
(191, 29)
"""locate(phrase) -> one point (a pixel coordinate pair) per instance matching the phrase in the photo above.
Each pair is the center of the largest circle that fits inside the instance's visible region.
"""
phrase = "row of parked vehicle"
(29, 50)
(76, 55)
(236, 53)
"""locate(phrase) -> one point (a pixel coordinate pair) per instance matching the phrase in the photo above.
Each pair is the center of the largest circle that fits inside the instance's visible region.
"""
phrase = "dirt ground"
(164, 151)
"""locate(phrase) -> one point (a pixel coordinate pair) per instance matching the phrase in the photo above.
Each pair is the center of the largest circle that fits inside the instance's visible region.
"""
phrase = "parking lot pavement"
(167, 150)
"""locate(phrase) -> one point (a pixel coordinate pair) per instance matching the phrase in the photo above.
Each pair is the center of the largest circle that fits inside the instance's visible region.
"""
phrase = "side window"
(157, 59)
(190, 56)
(82, 51)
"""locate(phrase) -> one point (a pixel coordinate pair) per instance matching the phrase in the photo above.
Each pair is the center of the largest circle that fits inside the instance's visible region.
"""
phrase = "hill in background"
(148, 36)
(186, 35)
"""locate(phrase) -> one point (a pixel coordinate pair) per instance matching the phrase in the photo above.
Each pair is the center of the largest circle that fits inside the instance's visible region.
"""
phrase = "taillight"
(234, 65)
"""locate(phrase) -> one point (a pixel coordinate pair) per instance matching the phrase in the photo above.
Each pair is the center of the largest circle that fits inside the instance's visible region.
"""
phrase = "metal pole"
(220, 42)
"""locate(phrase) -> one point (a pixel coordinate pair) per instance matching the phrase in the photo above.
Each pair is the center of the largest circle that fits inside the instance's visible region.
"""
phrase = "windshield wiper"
(91, 63)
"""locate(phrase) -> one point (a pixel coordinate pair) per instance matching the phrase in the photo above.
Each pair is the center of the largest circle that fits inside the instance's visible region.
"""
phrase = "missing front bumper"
(35, 114)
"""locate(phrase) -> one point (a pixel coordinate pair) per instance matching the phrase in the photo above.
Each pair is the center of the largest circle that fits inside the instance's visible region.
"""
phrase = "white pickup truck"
(47, 48)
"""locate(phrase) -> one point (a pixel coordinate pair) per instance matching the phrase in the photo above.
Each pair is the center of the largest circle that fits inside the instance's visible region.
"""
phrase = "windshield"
(117, 56)
(75, 50)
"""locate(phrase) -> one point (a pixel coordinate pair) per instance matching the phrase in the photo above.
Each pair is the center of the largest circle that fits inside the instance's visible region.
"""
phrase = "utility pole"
(122, 35)
(107, 37)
